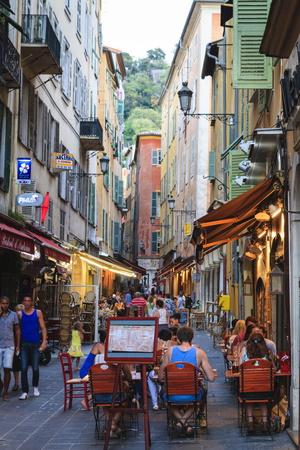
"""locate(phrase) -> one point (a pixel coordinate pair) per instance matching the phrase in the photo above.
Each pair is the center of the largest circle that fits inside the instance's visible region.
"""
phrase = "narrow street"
(42, 424)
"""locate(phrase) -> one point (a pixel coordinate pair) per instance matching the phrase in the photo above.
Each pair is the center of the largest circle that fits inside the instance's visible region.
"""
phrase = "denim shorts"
(6, 357)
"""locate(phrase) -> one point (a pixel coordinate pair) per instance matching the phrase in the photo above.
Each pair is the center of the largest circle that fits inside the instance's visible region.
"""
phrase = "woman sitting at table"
(186, 352)
(256, 348)
(237, 334)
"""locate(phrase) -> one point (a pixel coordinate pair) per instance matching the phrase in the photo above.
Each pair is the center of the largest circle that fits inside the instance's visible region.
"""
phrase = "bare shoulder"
(39, 313)
(201, 353)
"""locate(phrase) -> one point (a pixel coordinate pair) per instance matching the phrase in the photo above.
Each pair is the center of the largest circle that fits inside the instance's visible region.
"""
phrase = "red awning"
(51, 249)
(14, 239)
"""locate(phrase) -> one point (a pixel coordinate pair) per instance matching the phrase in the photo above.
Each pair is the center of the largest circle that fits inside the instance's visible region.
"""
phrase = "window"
(5, 146)
(62, 225)
(155, 242)
(63, 185)
(66, 63)
(53, 139)
(77, 87)
(50, 217)
(117, 237)
(79, 17)
(156, 157)
(155, 204)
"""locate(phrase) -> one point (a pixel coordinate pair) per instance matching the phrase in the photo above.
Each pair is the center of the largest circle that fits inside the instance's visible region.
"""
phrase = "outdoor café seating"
(256, 387)
(182, 388)
(73, 387)
(107, 389)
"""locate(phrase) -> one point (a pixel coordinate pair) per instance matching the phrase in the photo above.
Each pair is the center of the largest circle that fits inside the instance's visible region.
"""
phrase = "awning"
(128, 264)
(226, 12)
(176, 266)
(13, 239)
(234, 219)
(107, 263)
(51, 249)
(282, 29)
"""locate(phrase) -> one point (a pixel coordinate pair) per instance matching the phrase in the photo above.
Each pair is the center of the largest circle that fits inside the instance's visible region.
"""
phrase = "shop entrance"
(65, 304)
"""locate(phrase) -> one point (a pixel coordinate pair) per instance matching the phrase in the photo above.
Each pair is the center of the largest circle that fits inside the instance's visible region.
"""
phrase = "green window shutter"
(120, 197)
(212, 164)
(235, 158)
(251, 70)
(117, 237)
(116, 190)
(92, 201)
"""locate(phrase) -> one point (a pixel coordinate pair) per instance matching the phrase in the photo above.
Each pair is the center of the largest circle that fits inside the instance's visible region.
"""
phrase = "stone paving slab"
(41, 424)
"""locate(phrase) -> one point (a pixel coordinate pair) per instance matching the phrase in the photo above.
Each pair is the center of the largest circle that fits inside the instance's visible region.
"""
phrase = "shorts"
(6, 357)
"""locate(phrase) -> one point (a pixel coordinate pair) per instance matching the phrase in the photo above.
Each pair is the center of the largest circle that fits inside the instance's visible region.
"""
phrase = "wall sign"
(23, 170)
(29, 199)
(61, 161)
(290, 86)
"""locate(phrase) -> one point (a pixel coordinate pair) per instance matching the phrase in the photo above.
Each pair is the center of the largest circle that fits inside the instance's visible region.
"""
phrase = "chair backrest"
(257, 376)
(66, 365)
(103, 379)
(181, 379)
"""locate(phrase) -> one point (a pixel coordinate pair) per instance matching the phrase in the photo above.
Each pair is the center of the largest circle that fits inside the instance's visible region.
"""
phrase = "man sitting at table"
(186, 352)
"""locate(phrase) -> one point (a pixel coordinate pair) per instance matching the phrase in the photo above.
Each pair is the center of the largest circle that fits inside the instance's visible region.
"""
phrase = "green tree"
(143, 86)
(141, 119)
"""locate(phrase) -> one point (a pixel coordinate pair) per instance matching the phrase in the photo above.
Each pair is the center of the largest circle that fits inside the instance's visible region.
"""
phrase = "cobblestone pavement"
(41, 423)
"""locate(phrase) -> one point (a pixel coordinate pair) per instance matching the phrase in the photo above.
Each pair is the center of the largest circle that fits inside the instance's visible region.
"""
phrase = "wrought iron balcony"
(40, 46)
(10, 72)
(91, 134)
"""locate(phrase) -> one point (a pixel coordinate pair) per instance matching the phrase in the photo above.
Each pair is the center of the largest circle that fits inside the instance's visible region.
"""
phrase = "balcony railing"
(39, 35)
(91, 134)
(10, 72)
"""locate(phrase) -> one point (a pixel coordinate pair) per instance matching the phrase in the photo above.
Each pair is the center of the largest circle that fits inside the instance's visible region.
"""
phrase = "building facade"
(185, 149)
(146, 237)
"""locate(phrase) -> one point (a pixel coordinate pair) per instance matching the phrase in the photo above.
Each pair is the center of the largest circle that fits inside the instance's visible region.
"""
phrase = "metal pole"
(97, 294)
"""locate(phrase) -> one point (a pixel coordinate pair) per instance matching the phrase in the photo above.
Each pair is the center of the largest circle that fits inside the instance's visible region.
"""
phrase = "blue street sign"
(23, 170)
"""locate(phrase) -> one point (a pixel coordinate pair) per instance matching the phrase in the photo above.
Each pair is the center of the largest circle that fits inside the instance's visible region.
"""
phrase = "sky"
(135, 26)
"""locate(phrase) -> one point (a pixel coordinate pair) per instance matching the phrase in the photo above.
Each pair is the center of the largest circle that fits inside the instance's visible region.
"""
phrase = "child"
(75, 348)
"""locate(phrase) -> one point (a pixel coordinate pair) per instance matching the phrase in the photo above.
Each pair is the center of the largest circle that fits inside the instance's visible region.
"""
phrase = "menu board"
(130, 340)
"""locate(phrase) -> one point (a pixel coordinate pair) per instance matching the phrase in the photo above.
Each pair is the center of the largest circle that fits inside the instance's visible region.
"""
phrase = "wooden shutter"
(117, 237)
(120, 198)
(235, 158)
(6, 180)
(116, 189)
(251, 70)
(212, 164)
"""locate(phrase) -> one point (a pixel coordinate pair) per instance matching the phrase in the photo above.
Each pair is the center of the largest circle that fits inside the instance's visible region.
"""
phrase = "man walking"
(9, 342)
(32, 322)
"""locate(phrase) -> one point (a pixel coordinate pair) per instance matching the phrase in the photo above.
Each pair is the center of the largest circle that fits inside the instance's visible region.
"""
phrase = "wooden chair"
(181, 379)
(73, 387)
(103, 379)
(256, 387)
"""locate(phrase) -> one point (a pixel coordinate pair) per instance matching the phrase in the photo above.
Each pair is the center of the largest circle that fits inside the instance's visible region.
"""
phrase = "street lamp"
(185, 98)
(171, 202)
(276, 281)
(248, 288)
(104, 164)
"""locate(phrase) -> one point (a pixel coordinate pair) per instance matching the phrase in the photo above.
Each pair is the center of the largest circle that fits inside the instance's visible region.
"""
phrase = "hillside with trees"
(144, 83)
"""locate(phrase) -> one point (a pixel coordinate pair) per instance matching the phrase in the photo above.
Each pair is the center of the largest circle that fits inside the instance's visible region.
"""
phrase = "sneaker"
(36, 392)
(23, 396)
(155, 408)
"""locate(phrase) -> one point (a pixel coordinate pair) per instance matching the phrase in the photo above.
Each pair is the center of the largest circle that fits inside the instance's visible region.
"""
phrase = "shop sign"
(290, 86)
(62, 161)
(23, 170)
(13, 242)
(187, 229)
(29, 199)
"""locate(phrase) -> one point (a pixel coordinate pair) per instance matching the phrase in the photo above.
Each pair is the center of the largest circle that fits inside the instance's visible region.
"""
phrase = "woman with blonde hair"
(238, 332)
